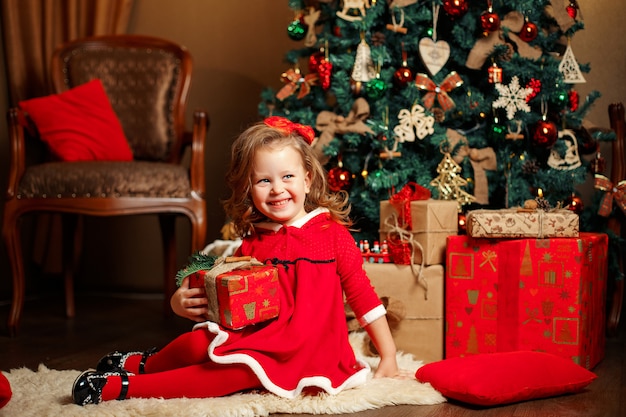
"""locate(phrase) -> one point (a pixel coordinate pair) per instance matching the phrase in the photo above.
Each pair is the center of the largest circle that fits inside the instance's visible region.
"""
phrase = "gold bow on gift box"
(294, 80)
(440, 92)
(329, 124)
(613, 193)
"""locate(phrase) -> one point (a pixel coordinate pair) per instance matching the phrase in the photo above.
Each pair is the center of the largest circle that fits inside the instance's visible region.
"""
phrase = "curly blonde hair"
(239, 206)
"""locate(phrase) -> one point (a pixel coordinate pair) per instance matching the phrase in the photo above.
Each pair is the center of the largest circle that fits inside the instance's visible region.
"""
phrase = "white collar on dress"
(298, 223)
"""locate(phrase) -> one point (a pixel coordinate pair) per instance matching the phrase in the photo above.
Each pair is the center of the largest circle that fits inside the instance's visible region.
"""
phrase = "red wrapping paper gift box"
(241, 297)
(527, 294)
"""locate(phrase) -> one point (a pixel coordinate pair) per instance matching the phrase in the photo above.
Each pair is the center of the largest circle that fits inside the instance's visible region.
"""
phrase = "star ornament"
(512, 97)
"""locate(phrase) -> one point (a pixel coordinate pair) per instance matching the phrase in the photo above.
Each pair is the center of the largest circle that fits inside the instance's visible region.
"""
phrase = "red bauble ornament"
(573, 99)
(339, 179)
(529, 32)
(544, 134)
(572, 10)
(402, 77)
(455, 8)
(574, 203)
(489, 21)
(325, 70)
(314, 61)
(535, 84)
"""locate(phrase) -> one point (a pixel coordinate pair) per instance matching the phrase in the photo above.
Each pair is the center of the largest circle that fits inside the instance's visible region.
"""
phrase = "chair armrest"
(198, 138)
(17, 153)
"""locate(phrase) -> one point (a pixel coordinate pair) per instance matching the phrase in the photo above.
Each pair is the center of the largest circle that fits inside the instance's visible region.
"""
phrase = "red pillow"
(79, 124)
(505, 377)
(5, 390)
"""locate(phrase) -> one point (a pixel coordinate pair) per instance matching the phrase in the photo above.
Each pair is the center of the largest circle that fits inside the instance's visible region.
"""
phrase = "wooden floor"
(108, 322)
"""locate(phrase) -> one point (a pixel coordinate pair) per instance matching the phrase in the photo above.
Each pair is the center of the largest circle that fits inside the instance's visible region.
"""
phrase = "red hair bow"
(288, 127)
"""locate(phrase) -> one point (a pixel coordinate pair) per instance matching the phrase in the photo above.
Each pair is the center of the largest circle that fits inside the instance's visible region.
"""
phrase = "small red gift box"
(240, 297)
(527, 294)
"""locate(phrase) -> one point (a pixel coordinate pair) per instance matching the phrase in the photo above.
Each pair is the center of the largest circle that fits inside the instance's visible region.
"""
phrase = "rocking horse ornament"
(349, 5)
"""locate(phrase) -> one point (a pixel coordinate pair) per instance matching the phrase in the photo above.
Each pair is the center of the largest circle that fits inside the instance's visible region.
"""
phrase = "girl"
(281, 206)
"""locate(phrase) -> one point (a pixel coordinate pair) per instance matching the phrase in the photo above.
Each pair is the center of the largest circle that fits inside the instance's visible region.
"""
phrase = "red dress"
(307, 344)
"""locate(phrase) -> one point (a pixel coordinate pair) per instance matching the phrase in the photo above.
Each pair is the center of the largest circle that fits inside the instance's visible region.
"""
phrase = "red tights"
(182, 369)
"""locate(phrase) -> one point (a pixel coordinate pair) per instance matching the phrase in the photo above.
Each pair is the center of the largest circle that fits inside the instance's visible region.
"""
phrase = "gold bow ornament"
(613, 193)
(294, 81)
(329, 124)
(440, 92)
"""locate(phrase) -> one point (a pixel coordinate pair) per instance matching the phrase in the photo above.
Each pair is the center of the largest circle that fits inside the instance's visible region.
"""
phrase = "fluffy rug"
(47, 392)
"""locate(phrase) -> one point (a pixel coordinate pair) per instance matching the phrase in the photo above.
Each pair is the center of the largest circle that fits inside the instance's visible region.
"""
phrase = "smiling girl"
(281, 207)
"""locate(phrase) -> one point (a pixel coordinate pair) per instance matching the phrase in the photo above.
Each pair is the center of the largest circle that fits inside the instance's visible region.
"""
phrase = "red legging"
(182, 369)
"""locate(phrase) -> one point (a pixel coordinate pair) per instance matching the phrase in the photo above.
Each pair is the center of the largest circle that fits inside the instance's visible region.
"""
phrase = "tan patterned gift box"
(522, 223)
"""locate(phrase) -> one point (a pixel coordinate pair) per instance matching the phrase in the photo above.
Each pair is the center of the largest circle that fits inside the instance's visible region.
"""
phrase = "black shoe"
(114, 361)
(88, 386)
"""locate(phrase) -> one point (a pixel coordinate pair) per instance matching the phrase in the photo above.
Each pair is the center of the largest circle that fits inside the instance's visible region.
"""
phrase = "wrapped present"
(240, 294)
(527, 294)
(431, 222)
(420, 290)
(516, 223)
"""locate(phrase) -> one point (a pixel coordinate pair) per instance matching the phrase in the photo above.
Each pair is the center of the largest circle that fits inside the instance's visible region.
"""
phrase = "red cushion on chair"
(79, 124)
(505, 377)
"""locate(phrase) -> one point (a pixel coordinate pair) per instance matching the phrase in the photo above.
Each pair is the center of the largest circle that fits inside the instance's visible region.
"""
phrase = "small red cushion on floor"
(501, 378)
(5, 390)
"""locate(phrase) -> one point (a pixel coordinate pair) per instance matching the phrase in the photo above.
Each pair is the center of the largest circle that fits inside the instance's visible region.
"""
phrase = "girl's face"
(280, 184)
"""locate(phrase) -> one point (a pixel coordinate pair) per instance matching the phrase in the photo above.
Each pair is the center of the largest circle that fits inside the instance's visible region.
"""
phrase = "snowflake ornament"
(412, 123)
(512, 98)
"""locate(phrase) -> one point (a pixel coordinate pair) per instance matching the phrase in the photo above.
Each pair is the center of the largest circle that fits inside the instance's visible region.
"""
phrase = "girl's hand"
(388, 368)
(190, 303)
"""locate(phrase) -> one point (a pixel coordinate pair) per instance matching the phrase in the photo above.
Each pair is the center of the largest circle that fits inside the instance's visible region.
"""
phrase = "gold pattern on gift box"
(551, 274)
(489, 310)
(526, 268)
(566, 330)
(472, 296)
(250, 309)
(490, 339)
(472, 341)
(488, 258)
(461, 265)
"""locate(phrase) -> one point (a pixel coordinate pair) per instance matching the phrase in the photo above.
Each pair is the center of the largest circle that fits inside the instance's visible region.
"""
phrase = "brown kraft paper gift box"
(421, 332)
(432, 221)
(520, 223)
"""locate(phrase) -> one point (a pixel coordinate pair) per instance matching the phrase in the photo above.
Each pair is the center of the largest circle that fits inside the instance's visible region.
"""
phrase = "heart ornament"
(434, 54)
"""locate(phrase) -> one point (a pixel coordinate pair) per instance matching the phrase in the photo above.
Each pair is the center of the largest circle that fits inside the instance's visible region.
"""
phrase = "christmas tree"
(475, 101)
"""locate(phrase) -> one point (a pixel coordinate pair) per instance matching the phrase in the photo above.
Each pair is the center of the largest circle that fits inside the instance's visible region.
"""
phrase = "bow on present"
(329, 124)
(401, 201)
(440, 92)
(397, 234)
(293, 81)
(613, 193)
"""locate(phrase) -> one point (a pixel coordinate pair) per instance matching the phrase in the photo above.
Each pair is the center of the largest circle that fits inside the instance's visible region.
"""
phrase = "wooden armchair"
(617, 222)
(147, 82)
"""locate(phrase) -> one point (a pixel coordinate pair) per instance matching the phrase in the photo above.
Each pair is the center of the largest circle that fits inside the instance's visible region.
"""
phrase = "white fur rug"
(47, 392)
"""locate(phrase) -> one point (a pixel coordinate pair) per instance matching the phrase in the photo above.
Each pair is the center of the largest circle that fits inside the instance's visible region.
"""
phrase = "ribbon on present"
(294, 80)
(614, 193)
(329, 124)
(401, 201)
(440, 92)
(396, 234)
